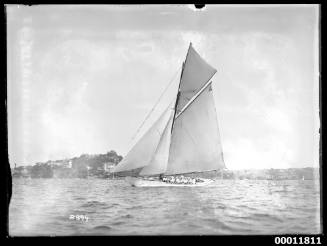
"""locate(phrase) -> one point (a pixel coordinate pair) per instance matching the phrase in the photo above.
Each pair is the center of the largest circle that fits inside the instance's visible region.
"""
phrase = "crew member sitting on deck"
(172, 179)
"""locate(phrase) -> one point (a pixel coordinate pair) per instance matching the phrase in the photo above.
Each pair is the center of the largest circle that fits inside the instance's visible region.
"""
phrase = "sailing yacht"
(185, 139)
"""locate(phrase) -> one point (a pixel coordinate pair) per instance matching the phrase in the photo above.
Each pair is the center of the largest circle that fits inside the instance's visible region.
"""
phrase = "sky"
(81, 79)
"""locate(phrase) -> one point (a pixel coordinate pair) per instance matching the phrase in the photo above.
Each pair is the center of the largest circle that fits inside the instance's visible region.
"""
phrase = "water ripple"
(44, 206)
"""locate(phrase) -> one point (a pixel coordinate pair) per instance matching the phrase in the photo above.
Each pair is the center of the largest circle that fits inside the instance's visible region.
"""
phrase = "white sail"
(196, 73)
(159, 161)
(186, 139)
(142, 152)
(195, 144)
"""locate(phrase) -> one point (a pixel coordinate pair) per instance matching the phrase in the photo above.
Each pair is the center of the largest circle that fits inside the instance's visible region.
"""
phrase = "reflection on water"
(45, 207)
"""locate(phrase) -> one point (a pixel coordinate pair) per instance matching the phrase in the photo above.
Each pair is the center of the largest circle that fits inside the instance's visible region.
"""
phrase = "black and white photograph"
(169, 119)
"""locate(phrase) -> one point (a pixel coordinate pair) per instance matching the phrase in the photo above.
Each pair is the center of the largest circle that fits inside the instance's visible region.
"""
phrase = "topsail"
(196, 73)
(186, 137)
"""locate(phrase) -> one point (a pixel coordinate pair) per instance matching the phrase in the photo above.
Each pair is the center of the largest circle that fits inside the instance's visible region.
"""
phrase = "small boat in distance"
(184, 140)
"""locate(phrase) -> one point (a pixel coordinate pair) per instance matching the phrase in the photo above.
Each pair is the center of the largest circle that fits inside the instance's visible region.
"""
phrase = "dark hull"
(131, 173)
(207, 175)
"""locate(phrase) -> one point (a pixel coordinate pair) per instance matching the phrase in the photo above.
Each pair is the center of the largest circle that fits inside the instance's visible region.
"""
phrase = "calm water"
(44, 207)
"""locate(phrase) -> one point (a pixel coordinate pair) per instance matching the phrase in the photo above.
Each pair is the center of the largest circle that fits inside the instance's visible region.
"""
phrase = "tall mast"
(177, 97)
(178, 91)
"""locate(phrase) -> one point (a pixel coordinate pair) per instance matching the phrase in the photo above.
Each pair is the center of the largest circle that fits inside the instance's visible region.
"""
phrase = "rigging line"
(179, 86)
(194, 97)
(148, 115)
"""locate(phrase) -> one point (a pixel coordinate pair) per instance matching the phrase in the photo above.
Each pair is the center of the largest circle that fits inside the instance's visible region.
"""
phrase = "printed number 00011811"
(297, 240)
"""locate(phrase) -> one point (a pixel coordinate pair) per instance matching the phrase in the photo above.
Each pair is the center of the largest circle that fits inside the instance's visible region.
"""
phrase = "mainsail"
(186, 138)
(195, 144)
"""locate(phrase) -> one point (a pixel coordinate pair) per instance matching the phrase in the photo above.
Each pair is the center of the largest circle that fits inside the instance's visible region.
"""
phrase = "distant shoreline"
(86, 165)
(101, 166)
